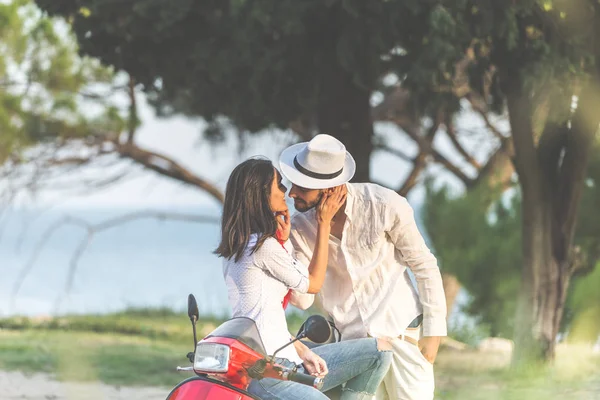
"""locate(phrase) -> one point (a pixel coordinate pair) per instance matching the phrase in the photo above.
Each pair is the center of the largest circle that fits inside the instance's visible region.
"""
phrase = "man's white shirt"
(367, 289)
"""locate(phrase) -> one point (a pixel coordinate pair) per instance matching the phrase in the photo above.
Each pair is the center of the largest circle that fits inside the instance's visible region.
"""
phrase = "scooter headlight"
(211, 357)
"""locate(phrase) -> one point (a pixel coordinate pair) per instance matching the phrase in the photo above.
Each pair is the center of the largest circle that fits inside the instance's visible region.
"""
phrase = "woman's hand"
(284, 226)
(314, 364)
(330, 204)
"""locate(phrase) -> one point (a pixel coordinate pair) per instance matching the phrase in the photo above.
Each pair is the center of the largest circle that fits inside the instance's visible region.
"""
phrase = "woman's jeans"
(359, 364)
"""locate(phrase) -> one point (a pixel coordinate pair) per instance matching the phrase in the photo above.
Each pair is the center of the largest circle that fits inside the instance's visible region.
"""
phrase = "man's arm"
(402, 229)
(302, 300)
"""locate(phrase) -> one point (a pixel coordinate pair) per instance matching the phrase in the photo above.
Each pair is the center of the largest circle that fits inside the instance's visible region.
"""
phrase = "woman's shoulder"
(269, 245)
(269, 249)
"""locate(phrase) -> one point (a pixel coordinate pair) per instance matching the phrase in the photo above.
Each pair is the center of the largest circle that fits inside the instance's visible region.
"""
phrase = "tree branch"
(168, 167)
(420, 161)
(480, 107)
(526, 161)
(133, 115)
(427, 148)
(395, 152)
(454, 139)
(499, 168)
(419, 164)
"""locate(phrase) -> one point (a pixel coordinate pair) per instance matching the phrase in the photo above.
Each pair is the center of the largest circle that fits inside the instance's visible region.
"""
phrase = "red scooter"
(232, 355)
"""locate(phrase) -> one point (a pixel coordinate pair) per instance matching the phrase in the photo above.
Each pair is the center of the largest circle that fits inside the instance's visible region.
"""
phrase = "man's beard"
(302, 206)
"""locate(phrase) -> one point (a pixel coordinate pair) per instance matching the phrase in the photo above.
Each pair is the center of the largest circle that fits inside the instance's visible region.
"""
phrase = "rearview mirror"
(193, 312)
(316, 329)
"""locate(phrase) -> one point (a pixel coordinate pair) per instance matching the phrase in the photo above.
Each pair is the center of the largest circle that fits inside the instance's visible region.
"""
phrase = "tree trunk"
(544, 284)
(345, 113)
(552, 176)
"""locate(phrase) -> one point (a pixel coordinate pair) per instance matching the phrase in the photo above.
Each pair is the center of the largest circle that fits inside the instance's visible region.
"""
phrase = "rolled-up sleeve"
(282, 266)
(402, 229)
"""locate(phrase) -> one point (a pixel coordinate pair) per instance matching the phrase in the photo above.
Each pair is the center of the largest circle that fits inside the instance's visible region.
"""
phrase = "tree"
(44, 87)
(552, 142)
(541, 56)
(477, 237)
(61, 112)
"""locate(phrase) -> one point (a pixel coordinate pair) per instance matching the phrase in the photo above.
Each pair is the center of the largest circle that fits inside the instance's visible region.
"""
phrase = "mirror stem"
(301, 336)
(193, 319)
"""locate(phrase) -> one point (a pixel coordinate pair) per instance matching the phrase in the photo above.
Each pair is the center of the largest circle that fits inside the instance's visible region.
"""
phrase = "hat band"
(316, 175)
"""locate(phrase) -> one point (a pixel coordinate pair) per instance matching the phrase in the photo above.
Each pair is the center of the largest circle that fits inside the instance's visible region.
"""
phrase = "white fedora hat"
(319, 164)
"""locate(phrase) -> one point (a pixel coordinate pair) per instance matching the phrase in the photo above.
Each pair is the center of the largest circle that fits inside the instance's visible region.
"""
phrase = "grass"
(111, 358)
(151, 323)
(143, 347)
(473, 375)
(133, 347)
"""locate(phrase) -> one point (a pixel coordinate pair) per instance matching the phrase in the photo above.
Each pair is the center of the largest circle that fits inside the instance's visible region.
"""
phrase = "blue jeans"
(358, 364)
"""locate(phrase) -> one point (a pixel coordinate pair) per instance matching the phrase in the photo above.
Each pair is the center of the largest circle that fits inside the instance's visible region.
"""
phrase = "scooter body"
(199, 387)
(227, 359)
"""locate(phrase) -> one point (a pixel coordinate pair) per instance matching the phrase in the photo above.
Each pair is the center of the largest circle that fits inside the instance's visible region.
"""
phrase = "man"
(374, 239)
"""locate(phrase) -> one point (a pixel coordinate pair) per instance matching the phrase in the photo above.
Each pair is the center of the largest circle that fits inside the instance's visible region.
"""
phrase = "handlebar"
(284, 370)
(305, 379)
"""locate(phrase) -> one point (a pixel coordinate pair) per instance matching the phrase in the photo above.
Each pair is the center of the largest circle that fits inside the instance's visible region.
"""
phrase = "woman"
(259, 271)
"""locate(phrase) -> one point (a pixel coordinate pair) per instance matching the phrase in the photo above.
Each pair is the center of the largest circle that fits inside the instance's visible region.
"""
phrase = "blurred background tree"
(45, 96)
(477, 237)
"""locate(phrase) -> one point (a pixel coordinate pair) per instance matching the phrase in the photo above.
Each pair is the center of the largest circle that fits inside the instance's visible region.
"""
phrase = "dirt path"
(16, 385)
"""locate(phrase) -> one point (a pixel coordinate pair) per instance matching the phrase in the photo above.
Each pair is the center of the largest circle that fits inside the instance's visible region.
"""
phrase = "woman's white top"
(257, 284)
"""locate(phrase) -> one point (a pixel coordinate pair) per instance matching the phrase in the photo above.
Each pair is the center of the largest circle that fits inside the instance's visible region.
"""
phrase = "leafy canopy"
(263, 62)
(43, 82)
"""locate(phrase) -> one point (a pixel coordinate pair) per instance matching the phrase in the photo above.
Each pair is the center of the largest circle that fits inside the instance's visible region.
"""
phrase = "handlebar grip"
(305, 379)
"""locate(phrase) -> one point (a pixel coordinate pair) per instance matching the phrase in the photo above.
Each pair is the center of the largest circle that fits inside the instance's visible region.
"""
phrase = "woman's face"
(277, 199)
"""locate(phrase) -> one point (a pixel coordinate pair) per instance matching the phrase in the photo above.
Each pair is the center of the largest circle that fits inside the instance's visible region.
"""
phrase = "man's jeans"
(358, 364)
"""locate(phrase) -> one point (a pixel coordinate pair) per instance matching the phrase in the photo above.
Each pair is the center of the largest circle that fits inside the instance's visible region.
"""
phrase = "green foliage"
(584, 306)
(480, 244)
(258, 63)
(42, 78)
(588, 223)
(268, 62)
(470, 333)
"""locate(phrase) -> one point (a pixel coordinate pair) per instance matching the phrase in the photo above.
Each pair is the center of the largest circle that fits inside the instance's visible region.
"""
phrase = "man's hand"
(429, 346)
(314, 364)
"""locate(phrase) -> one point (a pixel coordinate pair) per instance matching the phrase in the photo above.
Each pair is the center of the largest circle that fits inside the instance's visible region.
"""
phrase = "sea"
(142, 262)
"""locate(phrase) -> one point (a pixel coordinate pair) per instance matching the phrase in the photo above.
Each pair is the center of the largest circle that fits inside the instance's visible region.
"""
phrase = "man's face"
(305, 199)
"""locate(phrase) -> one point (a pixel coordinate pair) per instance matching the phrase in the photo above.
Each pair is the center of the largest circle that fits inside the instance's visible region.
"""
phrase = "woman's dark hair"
(247, 208)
